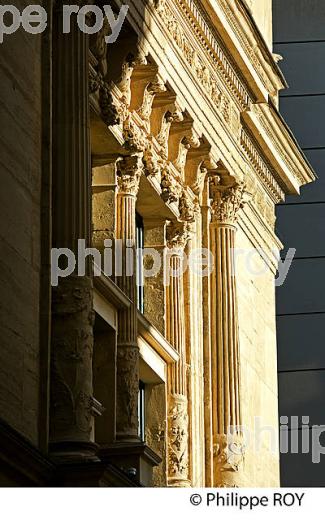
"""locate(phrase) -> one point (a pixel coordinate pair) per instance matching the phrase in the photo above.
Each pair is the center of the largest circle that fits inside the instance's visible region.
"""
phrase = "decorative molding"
(279, 147)
(212, 48)
(132, 60)
(246, 45)
(163, 136)
(263, 170)
(197, 62)
(98, 86)
(156, 340)
(111, 292)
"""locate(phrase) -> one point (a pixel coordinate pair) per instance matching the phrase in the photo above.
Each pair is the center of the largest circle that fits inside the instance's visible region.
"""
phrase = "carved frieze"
(246, 44)
(212, 50)
(210, 82)
(265, 173)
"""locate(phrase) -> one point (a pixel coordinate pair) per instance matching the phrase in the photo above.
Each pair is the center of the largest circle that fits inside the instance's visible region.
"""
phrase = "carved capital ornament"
(178, 234)
(226, 202)
(129, 171)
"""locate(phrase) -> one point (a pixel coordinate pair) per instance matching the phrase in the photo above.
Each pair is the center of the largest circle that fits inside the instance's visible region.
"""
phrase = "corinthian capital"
(129, 171)
(226, 201)
(178, 234)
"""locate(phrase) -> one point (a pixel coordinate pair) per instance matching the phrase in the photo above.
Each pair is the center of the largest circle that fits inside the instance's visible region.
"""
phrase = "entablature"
(235, 25)
(185, 107)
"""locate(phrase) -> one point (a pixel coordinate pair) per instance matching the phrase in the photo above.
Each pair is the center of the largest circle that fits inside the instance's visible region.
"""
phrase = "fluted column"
(71, 408)
(129, 172)
(227, 438)
(178, 423)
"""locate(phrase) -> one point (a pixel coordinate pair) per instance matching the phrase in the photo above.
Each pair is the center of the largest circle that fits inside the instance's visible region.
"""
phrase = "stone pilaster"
(208, 431)
(72, 404)
(178, 423)
(228, 445)
(129, 171)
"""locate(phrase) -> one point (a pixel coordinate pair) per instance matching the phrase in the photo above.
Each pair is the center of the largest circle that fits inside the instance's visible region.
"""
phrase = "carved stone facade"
(168, 139)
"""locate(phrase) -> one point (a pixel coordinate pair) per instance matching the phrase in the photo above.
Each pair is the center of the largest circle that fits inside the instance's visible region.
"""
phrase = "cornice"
(266, 51)
(246, 135)
(279, 147)
(214, 49)
(261, 236)
(156, 340)
(110, 291)
(262, 168)
(232, 21)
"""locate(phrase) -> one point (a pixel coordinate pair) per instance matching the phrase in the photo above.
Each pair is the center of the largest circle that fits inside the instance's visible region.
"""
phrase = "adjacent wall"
(299, 35)
(20, 171)
(258, 365)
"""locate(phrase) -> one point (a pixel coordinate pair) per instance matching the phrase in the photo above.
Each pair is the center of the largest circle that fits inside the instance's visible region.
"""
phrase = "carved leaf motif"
(128, 389)
(188, 209)
(178, 234)
(129, 171)
(150, 92)
(226, 201)
(135, 138)
(171, 190)
(109, 111)
(178, 439)
(229, 452)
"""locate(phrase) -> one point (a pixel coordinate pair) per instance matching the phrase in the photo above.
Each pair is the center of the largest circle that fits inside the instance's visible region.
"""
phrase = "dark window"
(142, 412)
(140, 246)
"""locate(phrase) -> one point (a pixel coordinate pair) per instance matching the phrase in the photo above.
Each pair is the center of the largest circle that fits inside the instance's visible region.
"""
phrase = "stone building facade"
(170, 139)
